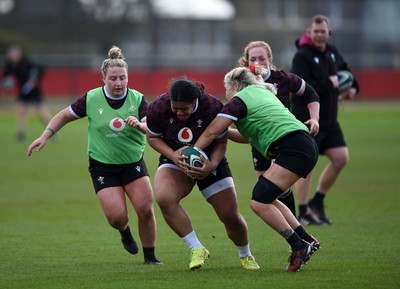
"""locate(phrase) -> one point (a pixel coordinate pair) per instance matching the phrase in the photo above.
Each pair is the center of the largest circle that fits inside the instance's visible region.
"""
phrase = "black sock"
(303, 210)
(303, 234)
(295, 242)
(149, 253)
(318, 199)
(288, 199)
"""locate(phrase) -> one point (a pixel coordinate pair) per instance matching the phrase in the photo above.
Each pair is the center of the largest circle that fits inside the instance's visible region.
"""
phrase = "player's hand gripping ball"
(345, 79)
(195, 156)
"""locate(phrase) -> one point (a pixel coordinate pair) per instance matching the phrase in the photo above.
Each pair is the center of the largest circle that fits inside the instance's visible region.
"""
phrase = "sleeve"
(143, 110)
(235, 109)
(78, 108)
(310, 95)
(296, 83)
(153, 119)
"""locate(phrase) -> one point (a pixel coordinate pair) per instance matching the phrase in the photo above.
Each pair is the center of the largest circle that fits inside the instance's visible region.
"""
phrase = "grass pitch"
(53, 233)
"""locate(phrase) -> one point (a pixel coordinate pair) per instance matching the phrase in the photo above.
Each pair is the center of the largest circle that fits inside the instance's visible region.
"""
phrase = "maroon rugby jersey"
(285, 83)
(161, 121)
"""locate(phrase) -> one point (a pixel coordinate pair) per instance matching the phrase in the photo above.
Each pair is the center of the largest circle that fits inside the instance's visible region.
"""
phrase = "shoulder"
(307, 52)
(336, 56)
(159, 106)
(332, 48)
(210, 99)
(288, 79)
(161, 99)
(235, 107)
(305, 49)
(304, 54)
(94, 92)
(291, 77)
(279, 75)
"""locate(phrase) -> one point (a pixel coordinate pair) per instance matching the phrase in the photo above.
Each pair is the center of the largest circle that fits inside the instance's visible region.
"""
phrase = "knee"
(117, 220)
(340, 161)
(259, 208)
(164, 202)
(145, 211)
(265, 191)
(233, 220)
(161, 201)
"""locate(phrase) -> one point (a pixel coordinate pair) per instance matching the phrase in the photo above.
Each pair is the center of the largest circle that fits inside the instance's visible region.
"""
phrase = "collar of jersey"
(112, 97)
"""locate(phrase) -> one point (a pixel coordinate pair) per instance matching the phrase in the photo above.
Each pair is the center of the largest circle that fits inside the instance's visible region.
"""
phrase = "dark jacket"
(315, 67)
(23, 71)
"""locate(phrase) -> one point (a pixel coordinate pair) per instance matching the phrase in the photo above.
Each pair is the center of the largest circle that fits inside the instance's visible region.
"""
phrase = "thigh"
(171, 185)
(281, 177)
(112, 200)
(140, 193)
(225, 203)
(338, 155)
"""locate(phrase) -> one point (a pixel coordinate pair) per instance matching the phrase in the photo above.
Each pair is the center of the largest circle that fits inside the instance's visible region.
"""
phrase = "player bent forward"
(177, 118)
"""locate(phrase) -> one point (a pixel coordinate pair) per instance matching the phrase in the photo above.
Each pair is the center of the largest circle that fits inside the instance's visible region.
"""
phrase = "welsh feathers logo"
(185, 135)
(117, 124)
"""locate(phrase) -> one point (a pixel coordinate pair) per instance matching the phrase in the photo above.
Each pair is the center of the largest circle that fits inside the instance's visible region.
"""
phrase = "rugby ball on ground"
(345, 79)
(195, 156)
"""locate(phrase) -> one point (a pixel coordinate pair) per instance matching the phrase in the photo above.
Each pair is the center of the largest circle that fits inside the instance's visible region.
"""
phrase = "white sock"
(244, 251)
(191, 241)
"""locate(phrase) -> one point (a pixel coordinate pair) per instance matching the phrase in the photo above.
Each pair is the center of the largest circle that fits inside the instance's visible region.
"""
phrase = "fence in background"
(73, 83)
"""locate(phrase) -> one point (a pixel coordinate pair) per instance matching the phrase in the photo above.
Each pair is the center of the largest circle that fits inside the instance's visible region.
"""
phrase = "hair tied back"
(256, 69)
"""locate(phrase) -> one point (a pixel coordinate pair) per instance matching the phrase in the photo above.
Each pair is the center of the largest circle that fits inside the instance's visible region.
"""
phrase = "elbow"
(211, 135)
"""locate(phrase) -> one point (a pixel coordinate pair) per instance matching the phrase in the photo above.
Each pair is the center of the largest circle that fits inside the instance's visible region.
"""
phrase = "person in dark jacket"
(318, 63)
(28, 77)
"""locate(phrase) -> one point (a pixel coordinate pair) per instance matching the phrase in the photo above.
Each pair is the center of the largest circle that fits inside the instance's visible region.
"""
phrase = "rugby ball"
(345, 80)
(195, 156)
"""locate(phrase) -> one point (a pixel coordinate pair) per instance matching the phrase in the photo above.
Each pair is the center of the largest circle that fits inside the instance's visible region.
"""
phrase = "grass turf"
(53, 233)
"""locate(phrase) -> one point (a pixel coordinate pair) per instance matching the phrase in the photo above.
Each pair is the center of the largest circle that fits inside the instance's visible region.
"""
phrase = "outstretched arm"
(55, 124)
(236, 136)
(312, 99)
(313, 122)
(213, 130)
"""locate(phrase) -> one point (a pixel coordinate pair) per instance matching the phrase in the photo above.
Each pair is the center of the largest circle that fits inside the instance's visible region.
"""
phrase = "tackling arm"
(213, 130)
(236, 136)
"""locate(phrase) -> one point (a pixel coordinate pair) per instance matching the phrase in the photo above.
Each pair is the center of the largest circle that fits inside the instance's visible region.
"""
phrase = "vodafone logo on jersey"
(117, 124)
(185, 135)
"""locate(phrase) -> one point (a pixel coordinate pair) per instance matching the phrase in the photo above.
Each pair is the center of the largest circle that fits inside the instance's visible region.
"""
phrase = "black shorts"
(33, 97)
(296, 152)
(259, 161)
(330, 138)
(221, 172)
(107, 175)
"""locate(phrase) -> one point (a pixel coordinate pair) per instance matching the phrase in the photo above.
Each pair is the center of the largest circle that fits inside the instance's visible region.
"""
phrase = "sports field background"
(53, 233)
